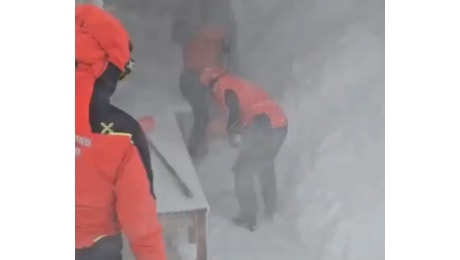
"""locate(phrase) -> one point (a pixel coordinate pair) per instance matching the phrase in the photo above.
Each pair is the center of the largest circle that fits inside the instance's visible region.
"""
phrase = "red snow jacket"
(249, 100)
(111, 189)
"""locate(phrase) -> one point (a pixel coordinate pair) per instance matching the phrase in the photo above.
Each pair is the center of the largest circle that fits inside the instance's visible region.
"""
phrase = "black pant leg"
(198, 97)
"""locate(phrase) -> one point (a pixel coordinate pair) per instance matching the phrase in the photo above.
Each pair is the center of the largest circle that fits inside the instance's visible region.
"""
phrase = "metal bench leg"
(201, 230)
(192, 233)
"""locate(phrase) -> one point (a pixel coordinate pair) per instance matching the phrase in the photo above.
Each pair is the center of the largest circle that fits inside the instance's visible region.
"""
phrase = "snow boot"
(249, 225)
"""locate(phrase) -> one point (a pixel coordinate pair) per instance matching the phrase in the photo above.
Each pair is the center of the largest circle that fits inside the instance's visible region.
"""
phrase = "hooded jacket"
(112, 193)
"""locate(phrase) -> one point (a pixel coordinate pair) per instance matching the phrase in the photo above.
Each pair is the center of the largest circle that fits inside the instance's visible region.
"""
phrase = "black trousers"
(199, 98)
(260, 145)
(107, 248)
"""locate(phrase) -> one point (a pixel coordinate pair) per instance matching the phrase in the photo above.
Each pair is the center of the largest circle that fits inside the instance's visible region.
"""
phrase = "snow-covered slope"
(324, 61)
(333, 161)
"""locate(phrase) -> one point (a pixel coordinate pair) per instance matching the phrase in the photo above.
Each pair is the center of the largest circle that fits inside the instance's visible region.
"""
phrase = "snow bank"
(325, 60)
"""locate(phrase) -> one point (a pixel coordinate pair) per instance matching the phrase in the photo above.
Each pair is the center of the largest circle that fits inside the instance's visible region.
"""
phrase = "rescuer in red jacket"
(112, 191)
(260, 125)
(206, 32)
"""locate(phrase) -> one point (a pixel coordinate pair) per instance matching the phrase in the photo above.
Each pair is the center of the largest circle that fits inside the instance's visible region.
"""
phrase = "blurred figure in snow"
(206, 32)
(257, 126)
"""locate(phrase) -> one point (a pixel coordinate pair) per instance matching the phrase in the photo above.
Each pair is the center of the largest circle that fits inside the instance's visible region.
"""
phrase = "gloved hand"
(234, 140)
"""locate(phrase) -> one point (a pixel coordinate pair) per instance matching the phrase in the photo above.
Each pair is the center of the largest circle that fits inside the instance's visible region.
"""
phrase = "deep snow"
(324, 61)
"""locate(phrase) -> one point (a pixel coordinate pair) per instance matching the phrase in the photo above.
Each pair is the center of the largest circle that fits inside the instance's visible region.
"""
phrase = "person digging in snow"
(257, 126)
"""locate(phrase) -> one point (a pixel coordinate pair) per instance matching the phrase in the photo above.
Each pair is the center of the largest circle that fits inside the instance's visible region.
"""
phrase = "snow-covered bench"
(176, 211)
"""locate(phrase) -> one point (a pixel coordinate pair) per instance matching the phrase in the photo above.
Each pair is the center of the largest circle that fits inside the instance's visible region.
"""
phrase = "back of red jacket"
(204, 49)
(206, 31)
(252, 100)
(113, 195)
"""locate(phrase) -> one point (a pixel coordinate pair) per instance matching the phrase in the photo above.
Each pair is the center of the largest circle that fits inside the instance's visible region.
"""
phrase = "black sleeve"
(233, 108)
(126, 123)
(140, 141)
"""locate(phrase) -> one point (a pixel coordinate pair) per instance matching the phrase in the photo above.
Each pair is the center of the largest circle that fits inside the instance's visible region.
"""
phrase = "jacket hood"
(99, 36)
(100, 39)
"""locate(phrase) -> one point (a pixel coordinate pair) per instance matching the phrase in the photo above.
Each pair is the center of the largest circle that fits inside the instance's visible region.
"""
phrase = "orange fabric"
(84, 86)
(99, 38)
(147, 124)
(253, 100)
(204, 49)
(112, 193)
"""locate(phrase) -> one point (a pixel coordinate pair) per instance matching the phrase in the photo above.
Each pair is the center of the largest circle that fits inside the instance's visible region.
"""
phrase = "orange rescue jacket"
(205, 48)
(253, 100)
(112, 193)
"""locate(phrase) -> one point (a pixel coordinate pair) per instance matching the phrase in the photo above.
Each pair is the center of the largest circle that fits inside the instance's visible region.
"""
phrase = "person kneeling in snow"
(257, 125)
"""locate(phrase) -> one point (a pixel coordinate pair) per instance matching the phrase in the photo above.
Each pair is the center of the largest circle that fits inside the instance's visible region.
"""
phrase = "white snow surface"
(167, 137)
(324, 62)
